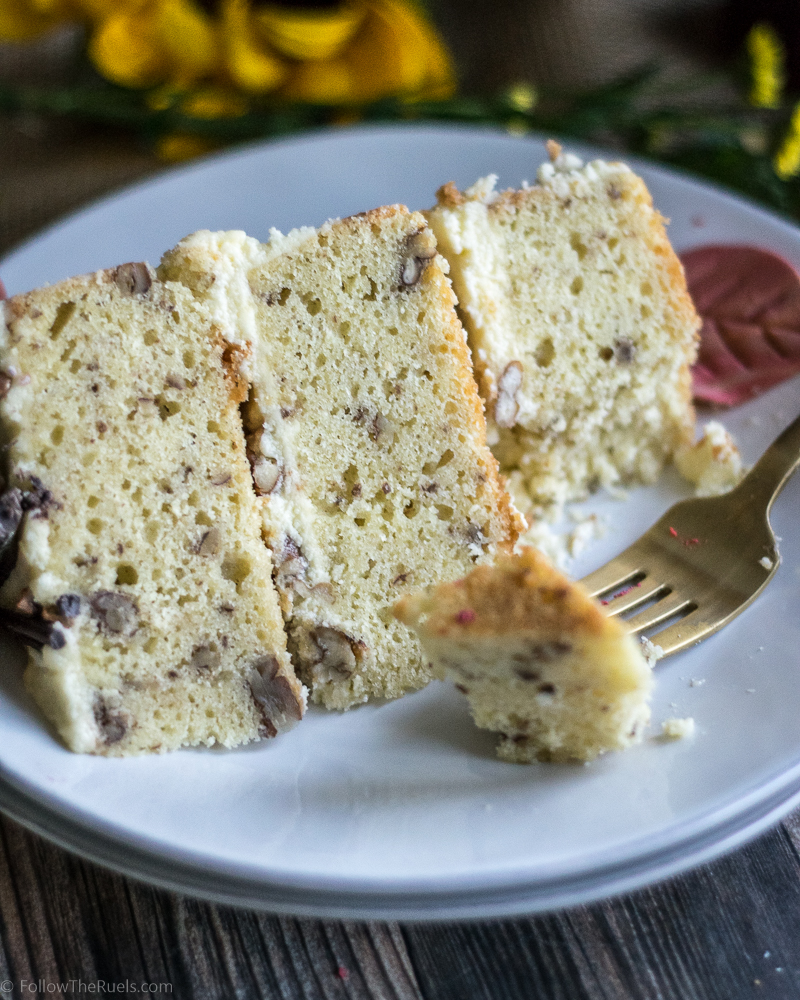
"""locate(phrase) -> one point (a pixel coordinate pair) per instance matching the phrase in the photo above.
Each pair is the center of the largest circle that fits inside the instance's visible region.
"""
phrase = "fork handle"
(771, 472)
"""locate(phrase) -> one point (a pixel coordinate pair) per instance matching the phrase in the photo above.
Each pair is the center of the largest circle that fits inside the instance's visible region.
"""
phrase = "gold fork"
(705, 560)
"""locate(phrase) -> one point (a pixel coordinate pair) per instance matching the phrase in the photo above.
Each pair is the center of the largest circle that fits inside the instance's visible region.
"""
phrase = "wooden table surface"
(727, 931)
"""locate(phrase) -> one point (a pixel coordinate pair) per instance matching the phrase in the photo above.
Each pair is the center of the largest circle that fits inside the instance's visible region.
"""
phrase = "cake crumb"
(677, 729)
(589, 527)
(650, 651)
(713, 463)
(549, 542)
(766, 562)
(696, 682)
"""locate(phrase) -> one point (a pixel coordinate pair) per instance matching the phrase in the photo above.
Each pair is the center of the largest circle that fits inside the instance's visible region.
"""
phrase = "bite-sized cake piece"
(538, 660)
(141, 583)
(580, 324)
(712, 463)
(366, 435)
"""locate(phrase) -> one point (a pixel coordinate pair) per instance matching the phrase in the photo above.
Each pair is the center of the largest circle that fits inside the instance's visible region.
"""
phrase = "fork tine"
(613, 575)
(639, 593)
(671, 605)
(687, 632)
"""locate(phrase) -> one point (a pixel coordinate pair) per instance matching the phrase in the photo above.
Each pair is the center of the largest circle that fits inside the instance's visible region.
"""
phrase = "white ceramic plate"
(401, 810)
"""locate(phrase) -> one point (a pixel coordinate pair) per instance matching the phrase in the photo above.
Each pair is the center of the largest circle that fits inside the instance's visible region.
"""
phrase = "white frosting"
(568, 176)
(34, 543)
(483, 190)
(278, 243)
(235, 254)
(68, 699)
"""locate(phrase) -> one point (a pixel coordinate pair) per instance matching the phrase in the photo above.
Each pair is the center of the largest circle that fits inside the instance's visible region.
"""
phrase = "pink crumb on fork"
(465, 617)
(621, 593)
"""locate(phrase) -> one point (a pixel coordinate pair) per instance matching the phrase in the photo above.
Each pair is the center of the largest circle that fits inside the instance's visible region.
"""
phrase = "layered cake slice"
(365, 433)
(537, 659)
(140, 582)
(580, 324)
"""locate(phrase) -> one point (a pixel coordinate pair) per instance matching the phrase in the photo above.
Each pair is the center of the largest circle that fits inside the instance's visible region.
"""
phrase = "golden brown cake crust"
(516, 594)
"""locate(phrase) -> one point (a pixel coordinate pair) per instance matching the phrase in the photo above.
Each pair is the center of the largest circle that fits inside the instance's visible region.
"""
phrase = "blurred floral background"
(95, 93)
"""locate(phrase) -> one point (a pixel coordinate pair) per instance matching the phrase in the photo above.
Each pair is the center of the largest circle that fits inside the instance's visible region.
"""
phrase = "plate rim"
(710, 835)
(515, 898)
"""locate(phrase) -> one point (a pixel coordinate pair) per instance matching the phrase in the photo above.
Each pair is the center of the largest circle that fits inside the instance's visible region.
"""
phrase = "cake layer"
(141, 579)
(579, 320)
(365, 433)
(538, 660)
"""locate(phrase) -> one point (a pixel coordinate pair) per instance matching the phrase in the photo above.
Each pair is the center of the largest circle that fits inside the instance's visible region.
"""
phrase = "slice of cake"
(538, 660)
(365, 434)
(140, 582)
(580, 324)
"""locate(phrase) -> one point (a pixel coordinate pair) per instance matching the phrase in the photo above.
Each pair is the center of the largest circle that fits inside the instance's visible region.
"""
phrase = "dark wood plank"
(698, 937)
(702, 936)
(62, 920)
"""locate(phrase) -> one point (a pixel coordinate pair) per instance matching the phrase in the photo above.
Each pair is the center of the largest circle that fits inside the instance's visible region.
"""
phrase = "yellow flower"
(787, 159)
(523, 97)
(352, 53)
(214, 102)
(766, 66)
(395, 52)
(178, 146)
(249, 63)
(305, 33)
(145, 42)
(22, 19)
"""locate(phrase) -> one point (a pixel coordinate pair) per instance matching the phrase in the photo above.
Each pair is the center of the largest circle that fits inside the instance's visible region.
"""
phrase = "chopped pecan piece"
(209, 543)
(475, 539)
(418, 251)
(204, 658)
(38, 499)
(112, 720)
(26, 605)
(624, 350)
(133, 279)
(273, 694)
(337, 654)
(546, 652)
(116, 613)
(68, 605)
(10, 515)
(33, 630)
(267, 475)
(290, 566)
